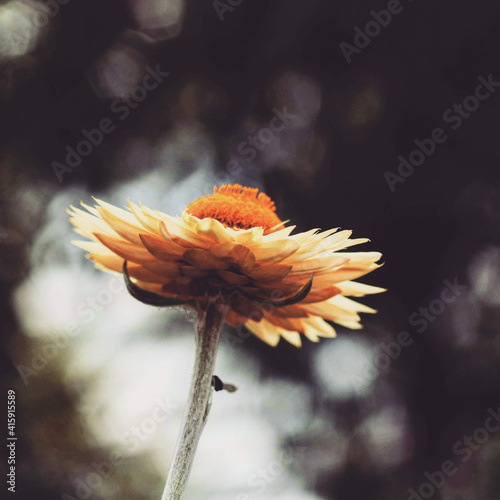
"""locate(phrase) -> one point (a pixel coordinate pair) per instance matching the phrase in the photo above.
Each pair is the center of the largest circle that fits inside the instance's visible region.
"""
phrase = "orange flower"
(232, 243)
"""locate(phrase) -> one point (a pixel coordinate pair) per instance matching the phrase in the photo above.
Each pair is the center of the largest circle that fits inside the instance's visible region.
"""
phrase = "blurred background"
(160, 100)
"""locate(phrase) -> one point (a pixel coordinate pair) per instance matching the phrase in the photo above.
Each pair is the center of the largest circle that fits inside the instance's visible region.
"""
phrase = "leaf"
(149, 298)
(298, 297)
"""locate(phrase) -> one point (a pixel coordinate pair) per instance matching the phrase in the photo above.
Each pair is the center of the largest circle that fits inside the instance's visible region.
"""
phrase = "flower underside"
(153, 299)
(232, 244)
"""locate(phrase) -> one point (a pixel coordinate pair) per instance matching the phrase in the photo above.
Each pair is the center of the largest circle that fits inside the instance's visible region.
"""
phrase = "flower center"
(238, 207)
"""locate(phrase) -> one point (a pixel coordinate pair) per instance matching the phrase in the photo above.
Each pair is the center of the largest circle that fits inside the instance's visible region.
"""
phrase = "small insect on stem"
(218, 385)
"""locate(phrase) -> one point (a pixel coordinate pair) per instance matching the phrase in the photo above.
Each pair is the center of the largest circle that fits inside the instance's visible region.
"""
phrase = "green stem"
(208, 327)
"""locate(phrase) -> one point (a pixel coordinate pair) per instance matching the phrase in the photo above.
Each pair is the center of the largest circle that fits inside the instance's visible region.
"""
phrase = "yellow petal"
(339, 309)
(162, 268)
(278, 235)
(331, 311)
(87, 224)
(265, 273)
(233, 278)
(320, 295)
(250, 236)
(351, 305)
(316, 326)
(355, 289)
(311, 335)
(125, 249)
(241, 256)
(289, 324)
(265, 331)
(204, 260)
(274, 251)
(292, 337)
(222, 249)
(302, 238)
(92, 246)
(292, 311)
(173, 231)
(237, 254)
(213, 229)
(360, 258)
(90, 209)
(345, 273)
(318, 266)
(149, 220)
(122, 222)
(160, 248)
(114, 263)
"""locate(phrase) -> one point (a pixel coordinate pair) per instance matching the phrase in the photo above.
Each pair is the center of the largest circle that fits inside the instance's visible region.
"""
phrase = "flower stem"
(208, 326)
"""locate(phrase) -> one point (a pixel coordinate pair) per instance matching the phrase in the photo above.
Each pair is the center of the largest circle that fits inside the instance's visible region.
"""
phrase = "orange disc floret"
(238, 207)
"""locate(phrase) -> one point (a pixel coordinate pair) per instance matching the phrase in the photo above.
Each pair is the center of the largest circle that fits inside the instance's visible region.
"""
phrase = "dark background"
(441, 223)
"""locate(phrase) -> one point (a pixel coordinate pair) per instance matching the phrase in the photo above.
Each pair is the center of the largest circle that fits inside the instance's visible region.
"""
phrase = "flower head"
(233, 244)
